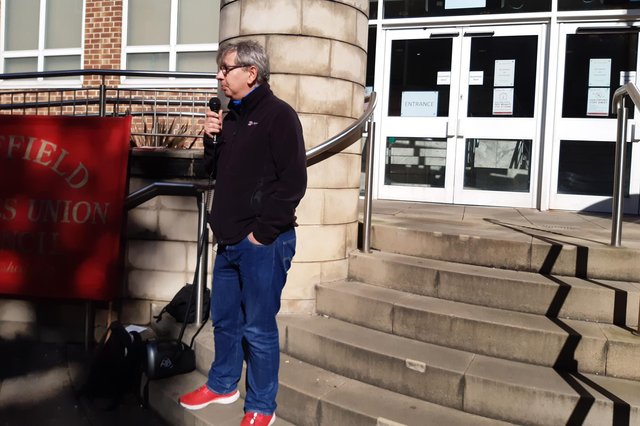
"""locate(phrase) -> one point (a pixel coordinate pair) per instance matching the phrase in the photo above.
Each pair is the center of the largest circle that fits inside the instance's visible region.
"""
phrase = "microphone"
(214, 105)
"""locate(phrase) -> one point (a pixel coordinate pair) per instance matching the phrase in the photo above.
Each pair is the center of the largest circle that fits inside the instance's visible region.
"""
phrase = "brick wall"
(102, 37)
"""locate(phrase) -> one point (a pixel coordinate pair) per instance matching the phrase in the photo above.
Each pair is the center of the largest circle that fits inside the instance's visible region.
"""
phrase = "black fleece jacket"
(260, 169)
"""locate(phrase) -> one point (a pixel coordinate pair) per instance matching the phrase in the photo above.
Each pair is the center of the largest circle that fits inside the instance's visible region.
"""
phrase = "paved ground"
(38, 386)
(577, 228)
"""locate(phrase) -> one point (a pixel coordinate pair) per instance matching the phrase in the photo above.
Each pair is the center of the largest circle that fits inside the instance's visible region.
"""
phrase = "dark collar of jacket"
(250, 101)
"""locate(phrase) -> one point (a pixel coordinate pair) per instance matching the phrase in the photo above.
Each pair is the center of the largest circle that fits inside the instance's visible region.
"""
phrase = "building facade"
(319, 69)
(490, 102)
(502, 102)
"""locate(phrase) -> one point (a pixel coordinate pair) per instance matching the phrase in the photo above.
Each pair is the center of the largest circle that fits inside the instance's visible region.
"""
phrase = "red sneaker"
(255, 419)
(202, 397)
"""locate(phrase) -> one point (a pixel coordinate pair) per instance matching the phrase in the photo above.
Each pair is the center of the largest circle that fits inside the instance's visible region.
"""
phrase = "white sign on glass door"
(464, 4)
(599, 72)
(503, 101)
(476, 78)
(419, 104)
(444, 78)
(504, 73)
(598, 102)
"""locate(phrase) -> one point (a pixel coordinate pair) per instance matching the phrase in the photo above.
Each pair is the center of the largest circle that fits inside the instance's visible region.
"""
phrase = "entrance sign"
(419, 104)
(62, 190)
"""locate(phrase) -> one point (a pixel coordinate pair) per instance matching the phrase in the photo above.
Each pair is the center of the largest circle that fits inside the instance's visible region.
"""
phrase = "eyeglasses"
(226, 69)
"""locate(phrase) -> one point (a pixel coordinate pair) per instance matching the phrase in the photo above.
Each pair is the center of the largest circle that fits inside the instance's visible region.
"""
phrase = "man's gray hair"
(248, 53)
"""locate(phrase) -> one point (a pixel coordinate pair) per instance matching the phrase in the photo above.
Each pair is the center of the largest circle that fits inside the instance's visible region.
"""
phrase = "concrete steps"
(308, 395)
(163, 398)
(447, 323)
(493, 388)
(603, 349)
(555, 296)
(507, 245)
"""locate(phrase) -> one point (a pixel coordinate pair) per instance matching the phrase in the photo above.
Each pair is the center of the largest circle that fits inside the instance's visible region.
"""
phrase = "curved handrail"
(619, 108)
(627, 89)
(314, 153)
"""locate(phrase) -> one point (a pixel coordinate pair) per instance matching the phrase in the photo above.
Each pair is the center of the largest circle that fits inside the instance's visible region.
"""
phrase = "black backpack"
(168, 357)
(178, 306)
(115, 368)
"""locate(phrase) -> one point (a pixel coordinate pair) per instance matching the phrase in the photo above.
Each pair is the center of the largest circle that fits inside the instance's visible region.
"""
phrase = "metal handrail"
(344, 135)
(342, 140)
(619, 108)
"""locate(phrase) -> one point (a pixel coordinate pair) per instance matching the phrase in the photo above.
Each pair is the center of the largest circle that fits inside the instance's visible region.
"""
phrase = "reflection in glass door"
(597, 60)
(461, 118)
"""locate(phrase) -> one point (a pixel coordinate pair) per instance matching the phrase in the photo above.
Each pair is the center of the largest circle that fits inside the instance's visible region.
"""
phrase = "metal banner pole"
(201, 279)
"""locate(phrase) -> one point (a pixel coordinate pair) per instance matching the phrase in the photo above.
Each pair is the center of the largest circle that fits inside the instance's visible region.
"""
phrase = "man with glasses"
(257, 156)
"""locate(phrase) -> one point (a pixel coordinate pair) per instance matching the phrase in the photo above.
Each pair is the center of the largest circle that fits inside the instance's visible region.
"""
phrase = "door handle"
(480, 34)
(444, 35)
(458, 136)
(446, 132)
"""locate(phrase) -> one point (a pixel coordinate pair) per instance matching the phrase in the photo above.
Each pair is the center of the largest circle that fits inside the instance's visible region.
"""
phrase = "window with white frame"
(171, 35)
(41, 35)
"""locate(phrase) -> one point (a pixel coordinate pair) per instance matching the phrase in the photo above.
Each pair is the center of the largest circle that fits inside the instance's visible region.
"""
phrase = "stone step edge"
(501, 375)
(307, 390)
(452, 270)
(615, 341)
(164, 394)
(544, 255)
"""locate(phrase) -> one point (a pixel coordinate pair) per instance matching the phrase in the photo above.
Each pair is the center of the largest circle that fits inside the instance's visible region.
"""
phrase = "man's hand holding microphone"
(213, 119)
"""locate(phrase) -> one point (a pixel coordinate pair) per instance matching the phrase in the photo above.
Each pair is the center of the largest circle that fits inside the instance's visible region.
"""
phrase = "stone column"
(318, 58)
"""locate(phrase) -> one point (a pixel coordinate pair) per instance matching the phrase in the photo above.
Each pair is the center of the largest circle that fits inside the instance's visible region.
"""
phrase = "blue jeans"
(247, 283)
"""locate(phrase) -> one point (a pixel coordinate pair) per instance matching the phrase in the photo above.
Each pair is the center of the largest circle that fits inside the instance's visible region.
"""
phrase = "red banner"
(62, 189)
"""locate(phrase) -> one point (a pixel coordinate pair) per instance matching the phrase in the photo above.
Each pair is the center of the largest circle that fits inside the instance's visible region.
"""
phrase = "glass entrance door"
(422, 85)
(594, 61)
(460, 121)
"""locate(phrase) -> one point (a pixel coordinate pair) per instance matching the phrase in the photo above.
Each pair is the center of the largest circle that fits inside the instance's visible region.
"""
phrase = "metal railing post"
(203, 237)
(368, 182)
(617, 208)
(103, 98)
